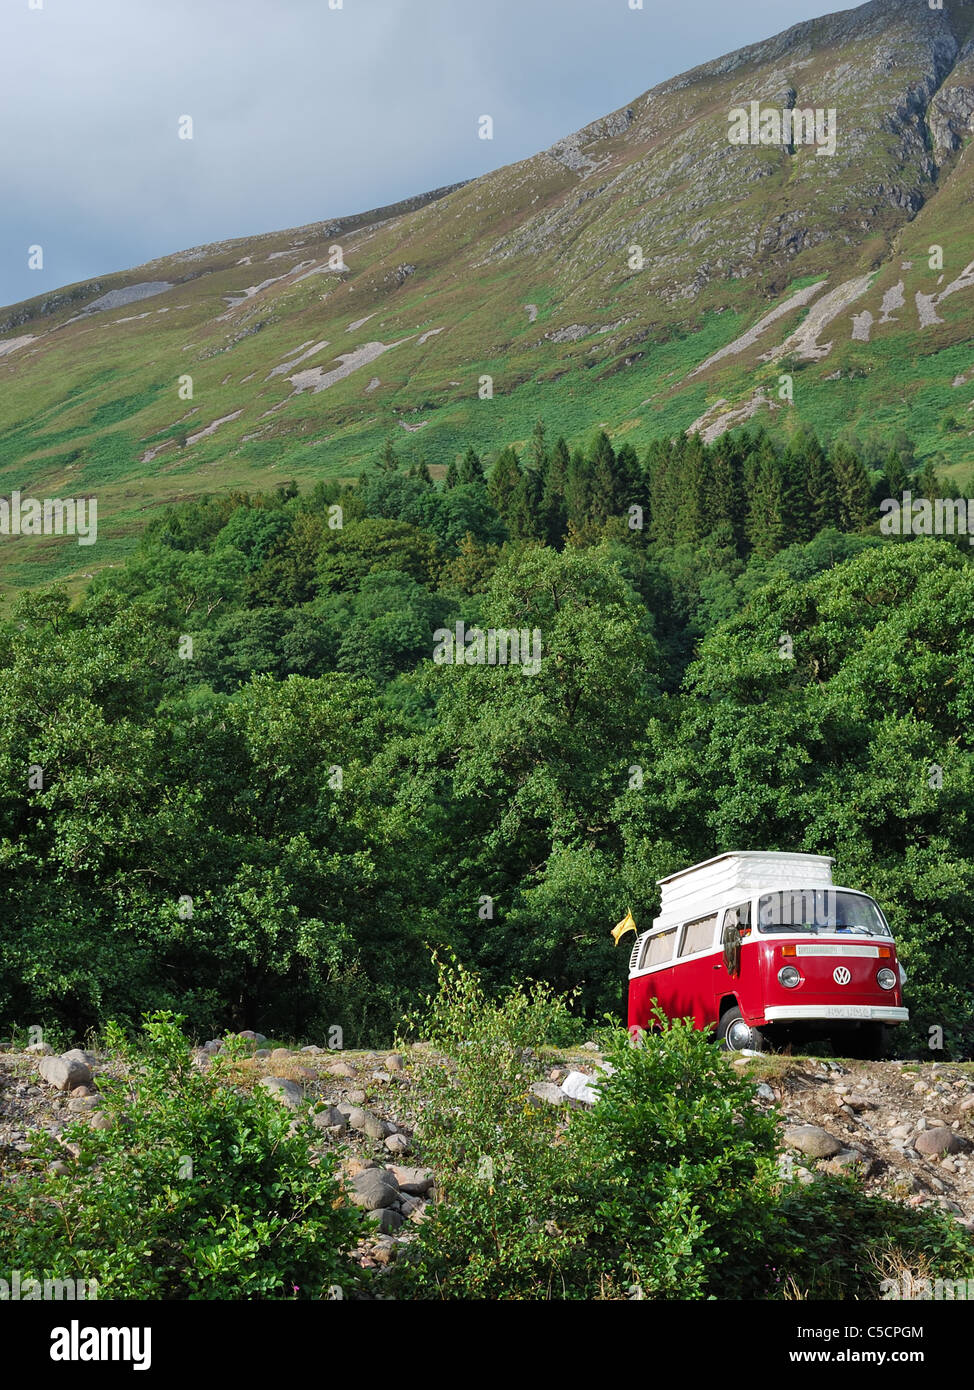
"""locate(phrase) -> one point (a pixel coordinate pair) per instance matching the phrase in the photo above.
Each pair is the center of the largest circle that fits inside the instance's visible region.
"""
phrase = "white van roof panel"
(740, 871)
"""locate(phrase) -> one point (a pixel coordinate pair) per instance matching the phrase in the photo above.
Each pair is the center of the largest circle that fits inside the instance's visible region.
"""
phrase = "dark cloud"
(300, 111)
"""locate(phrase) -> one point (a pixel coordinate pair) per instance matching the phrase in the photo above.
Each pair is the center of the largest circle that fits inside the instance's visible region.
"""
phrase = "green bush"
(839, 1237)
(676, 1172)
(198, 1192)
(501, 1170)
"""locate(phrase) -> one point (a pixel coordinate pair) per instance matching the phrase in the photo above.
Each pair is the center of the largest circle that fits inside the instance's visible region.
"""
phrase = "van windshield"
(820, 910)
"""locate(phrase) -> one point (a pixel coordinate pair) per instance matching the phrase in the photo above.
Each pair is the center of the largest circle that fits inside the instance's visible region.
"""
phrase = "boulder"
(374, 1189)
(812, 1141)
(65, 1073)
(289, 1093)
(940, 1141)
(76, 1055)
(387, 1220)
(416, 1182)
(578, 1086)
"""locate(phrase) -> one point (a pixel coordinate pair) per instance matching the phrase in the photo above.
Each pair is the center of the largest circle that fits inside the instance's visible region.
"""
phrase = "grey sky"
(301, 112)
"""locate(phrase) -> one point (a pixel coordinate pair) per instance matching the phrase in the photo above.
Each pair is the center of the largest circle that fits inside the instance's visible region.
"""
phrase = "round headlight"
(886, 979)
(789, 977)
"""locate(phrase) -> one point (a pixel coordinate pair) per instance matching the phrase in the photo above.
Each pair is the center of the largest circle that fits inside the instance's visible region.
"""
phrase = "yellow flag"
(628, 923)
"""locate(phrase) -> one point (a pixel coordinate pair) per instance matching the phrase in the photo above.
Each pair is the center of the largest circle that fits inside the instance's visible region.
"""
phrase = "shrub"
(842, 1242)
(501, 1168)
(199, 1191)
(676, 1172)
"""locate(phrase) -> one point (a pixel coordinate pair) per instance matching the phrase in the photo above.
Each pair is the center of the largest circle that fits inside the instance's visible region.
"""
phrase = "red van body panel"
(695, 988)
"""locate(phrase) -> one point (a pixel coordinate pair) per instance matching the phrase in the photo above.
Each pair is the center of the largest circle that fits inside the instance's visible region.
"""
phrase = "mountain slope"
(308, 348)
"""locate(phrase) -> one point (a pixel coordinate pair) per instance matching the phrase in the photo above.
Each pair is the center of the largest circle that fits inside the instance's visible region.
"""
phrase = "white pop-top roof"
(715, 881)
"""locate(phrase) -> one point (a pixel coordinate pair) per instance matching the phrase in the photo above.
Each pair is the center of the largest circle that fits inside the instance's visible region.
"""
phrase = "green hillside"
(308, 349)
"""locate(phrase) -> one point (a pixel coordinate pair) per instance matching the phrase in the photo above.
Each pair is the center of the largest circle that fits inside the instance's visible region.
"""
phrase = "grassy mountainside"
(309, 348)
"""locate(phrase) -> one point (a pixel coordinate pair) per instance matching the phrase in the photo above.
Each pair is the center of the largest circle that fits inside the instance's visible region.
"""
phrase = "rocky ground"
(905, 1127)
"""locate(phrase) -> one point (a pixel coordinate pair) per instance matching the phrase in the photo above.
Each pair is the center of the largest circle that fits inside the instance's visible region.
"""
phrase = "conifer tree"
(895, 477)
(452, 476)
(691, 518)
(605, 499)
(553, 509)
(505, 478)
(578, 489)
(853, 490)
(766, 521)
(470, 468)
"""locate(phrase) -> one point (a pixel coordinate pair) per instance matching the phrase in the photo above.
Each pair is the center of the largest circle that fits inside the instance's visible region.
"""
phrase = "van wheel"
(733, 1034)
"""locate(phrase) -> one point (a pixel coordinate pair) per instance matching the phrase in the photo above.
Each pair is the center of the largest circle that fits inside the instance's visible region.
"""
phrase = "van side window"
(698, 935)
(659, 949)
(739, 916)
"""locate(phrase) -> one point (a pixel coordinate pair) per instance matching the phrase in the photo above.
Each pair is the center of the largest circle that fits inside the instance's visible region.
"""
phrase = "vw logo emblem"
(841, 975)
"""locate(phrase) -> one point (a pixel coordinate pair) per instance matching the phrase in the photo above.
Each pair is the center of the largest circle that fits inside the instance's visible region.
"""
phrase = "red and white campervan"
(767, 947)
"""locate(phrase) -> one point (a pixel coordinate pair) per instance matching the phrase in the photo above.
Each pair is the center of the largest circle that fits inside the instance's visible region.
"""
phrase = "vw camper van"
(767, 948)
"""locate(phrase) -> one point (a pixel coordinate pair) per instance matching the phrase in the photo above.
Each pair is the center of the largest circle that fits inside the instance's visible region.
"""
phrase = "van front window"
(820, 910)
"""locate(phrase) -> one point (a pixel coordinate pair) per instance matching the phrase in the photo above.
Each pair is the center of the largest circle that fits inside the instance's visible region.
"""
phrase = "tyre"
(733, 1034)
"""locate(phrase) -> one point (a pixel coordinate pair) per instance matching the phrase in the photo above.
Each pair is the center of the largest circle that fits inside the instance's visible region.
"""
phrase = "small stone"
(40, 1049)
(383, 1077)
(78, 1104)
(251, 1036)
(331, 1119)
(393, 1062)
(967, 1103)
(546, 1091)
(280, 1054)
(764, 1091)
(340, 1069)
(590, 1046)
(397, 1144)
(315, 1051)
(357, 1097)
(358, 1117)
(59, 1168)
(374, 1128)
(101, 1120)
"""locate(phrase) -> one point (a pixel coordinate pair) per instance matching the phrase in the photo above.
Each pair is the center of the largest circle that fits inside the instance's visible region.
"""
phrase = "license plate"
(849, 1011)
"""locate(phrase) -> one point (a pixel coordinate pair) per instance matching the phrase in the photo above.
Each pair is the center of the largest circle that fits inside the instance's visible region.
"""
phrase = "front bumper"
(864, 1013)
